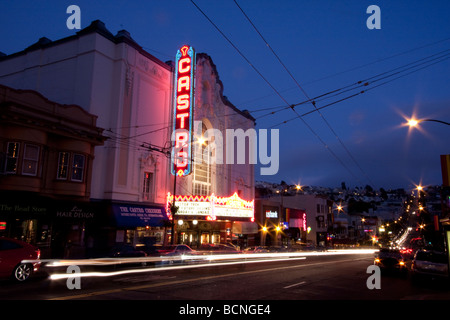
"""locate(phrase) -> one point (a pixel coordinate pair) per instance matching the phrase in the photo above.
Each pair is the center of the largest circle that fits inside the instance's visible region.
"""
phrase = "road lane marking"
(294, 285)
(177, 282)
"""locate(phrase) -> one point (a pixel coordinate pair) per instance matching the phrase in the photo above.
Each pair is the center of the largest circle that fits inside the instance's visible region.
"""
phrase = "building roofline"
(50, 114)
(225, 100)
(98, 27)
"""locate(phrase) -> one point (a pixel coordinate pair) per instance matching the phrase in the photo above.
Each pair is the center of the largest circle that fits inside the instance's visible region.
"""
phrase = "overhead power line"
(305, 94)
(367, 85)
(273, 88)
(366, 64)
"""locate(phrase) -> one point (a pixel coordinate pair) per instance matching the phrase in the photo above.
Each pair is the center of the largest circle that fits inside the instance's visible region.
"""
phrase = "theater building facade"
(133, 95)
(216, 200)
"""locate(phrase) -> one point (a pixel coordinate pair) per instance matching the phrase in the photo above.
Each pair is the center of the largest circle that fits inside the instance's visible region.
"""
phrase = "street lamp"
(339, 208)
(264, 233)
(415, 122)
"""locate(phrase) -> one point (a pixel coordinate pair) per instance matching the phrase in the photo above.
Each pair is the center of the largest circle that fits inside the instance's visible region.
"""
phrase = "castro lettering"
(183, 111)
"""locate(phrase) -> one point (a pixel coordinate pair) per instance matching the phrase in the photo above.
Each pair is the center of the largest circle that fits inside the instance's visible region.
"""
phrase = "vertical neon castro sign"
(183, 111)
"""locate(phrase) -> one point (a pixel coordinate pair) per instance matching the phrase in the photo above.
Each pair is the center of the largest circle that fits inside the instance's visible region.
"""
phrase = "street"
(312, 277)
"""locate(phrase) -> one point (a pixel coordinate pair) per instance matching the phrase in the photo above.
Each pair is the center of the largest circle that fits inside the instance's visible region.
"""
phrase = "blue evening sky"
(326, 46)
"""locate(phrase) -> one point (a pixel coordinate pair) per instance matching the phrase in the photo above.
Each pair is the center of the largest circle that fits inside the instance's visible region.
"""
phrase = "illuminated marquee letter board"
(183, 111)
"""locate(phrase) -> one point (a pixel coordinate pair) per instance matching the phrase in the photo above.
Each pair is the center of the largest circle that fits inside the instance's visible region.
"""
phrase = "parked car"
(256, 249)
(176, 249)
(218, 248)
(12, 254)
(430, 263)
(150, 250)
(391, 260)
(126, 251)
(175, 254)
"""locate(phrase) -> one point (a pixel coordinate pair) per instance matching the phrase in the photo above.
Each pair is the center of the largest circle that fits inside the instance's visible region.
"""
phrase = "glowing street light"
(415, 122)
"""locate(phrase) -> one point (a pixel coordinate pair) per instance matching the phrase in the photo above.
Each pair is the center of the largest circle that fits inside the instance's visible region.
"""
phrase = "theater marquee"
(212, 207)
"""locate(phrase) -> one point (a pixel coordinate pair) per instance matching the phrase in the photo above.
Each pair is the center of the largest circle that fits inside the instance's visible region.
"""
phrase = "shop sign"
(183, 111)
(304, 222)
(271, 214)
(19, 208)
(187, 208)
(75, 212)
(138, 216)
(2, 225)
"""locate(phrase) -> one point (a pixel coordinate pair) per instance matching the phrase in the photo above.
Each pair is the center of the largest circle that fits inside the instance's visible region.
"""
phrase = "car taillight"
(38, 254)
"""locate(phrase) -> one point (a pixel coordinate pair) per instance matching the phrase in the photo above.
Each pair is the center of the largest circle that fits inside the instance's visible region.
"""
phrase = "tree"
(383, 194)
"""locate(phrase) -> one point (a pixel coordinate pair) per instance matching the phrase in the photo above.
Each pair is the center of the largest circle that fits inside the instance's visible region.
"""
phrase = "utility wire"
(120, 140)
(304, 92)
(366, 83)
(362, 66)
(273, 88)
(399, 74)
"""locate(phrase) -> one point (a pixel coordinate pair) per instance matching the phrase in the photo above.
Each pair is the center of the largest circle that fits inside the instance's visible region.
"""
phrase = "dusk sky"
(326, 46)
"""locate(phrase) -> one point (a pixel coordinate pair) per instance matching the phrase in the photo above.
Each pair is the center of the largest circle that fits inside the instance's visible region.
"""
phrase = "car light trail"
(206, 257)
(116, 273)
(211, 261)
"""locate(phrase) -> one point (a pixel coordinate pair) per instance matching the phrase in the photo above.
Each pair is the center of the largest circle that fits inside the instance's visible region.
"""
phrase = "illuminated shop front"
(212, 220)
(280, 225)
(138, 224)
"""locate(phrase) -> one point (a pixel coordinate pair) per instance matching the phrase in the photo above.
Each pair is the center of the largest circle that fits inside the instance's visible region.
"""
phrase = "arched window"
(202, 166)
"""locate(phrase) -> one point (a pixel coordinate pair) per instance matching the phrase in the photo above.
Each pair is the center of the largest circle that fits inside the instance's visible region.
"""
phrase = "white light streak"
(116, 273)
(209, 261)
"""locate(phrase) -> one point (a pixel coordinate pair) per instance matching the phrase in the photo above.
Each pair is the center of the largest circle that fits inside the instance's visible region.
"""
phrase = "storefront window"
(24, 230)
(205, 238)
(144, 236)
(129, 236)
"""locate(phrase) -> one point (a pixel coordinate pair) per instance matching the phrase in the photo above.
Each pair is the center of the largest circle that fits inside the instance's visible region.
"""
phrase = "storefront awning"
(132, 216)
(244, 227)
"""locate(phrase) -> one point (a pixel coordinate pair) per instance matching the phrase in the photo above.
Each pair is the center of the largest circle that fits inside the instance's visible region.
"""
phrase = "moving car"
(430, 263)
(13, 256)
(391, 260)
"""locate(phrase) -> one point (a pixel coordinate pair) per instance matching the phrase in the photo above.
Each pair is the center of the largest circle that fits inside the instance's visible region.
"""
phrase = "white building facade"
(131, 92)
